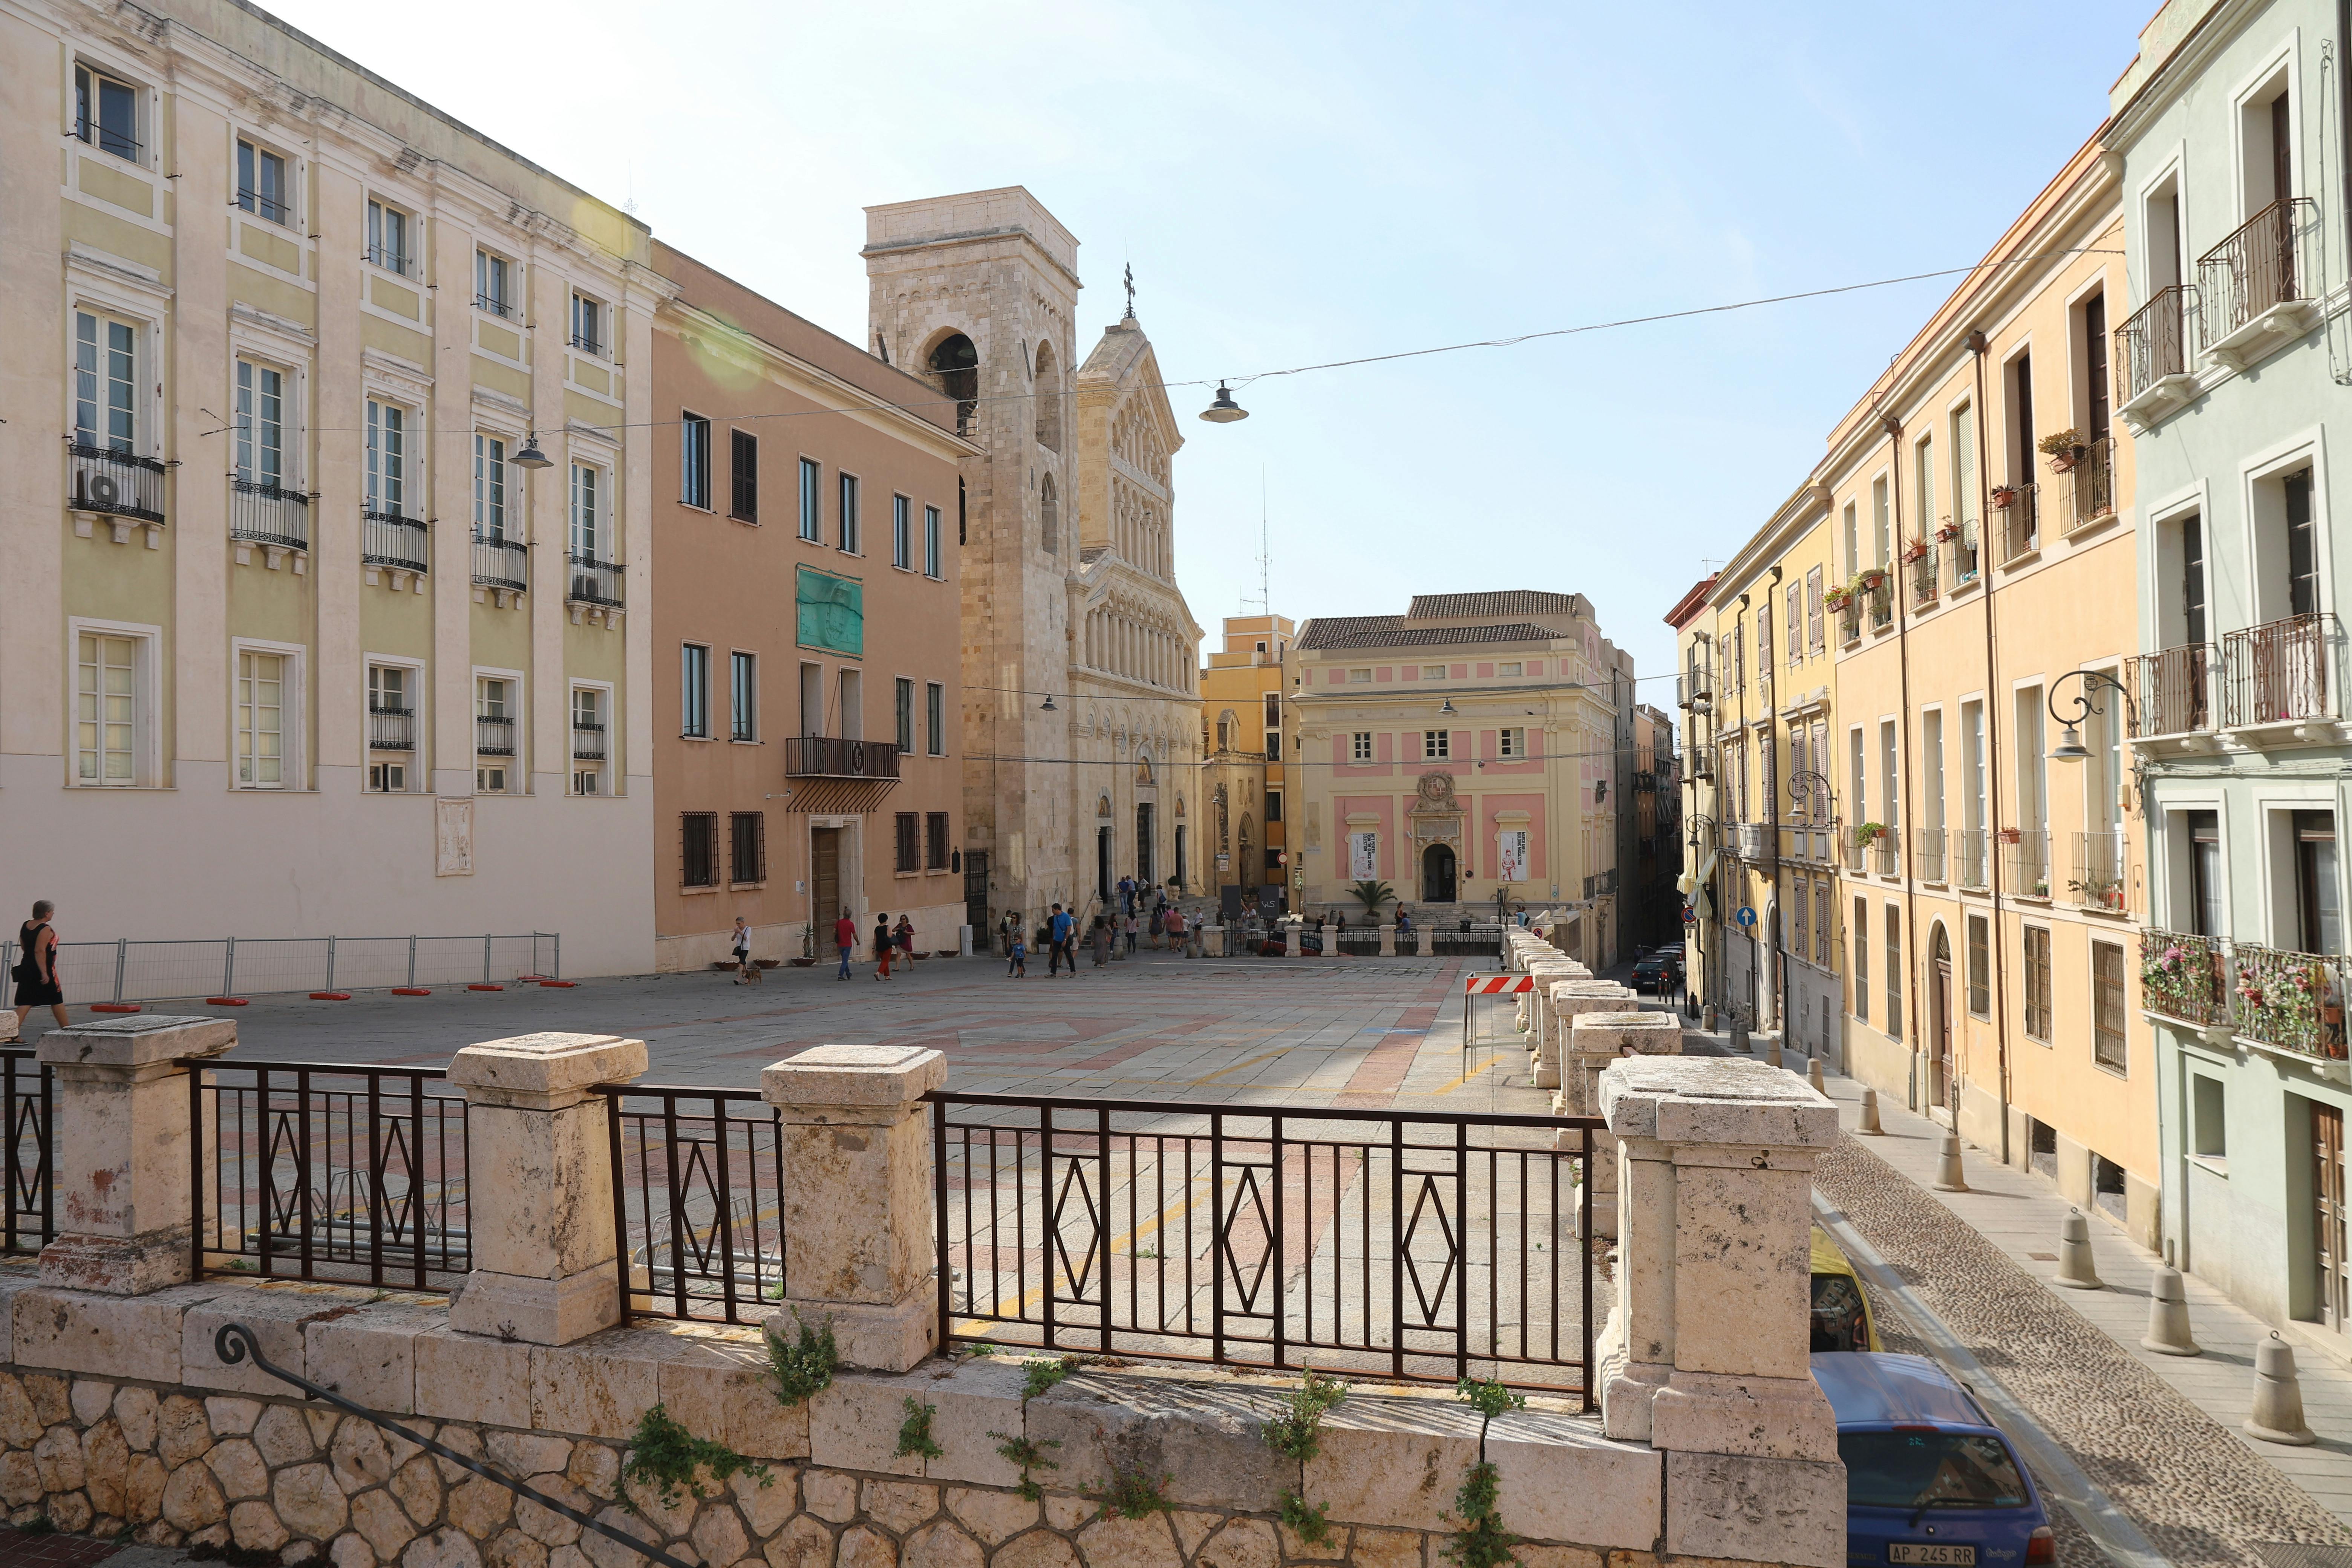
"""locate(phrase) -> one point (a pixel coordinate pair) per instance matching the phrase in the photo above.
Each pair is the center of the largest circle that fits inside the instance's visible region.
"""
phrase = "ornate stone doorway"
(1437, 874)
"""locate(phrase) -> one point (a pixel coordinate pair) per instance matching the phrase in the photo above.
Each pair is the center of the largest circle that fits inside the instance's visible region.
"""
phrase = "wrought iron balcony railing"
(2025, 862)
(592, 581)
(1927, 854)
(2173, 692)
(2290, 1001)
(1887, 854)
(1924, 577)
(2094, 481)
(2018, 507)
(1963, 559)
(501, 562)
(268, 515)
(388, 539)
(1971, 866)
(2184, 976)
(391, 729)
(587, 742)
(2259, 266)
(116, 484)
(2098, 882)
(2152, 347)
(832, 756)
(2282, 671)
(494, 737)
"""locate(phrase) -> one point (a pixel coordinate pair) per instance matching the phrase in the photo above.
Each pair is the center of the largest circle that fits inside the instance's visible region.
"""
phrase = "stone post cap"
(1646, 1031)
(136, 1040)
(1564, 988)
(1714, 1100)
(846, 1076)
(548, 1063)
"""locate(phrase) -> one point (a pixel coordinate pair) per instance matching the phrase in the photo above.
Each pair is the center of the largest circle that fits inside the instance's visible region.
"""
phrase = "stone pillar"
(122, 1173)
(1595, 1041)
(1290, 938)
(1564, 1001)
(539, 1183)
(1535, 1005)
(1705, 1353)
(857, 1198)
(1427, 936)
(1388, 942)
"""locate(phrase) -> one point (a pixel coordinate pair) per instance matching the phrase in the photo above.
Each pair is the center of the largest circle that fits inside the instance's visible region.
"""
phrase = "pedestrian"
(1008, 931)
(905, 934)
(1016, 957)
(883, 946)
(1158, 924)
(1099, 937)
(844, 937)
(1061, 932)
(1174, 926)
(1126, 894)
(1130, 933)
(37, 971)
(746, 972)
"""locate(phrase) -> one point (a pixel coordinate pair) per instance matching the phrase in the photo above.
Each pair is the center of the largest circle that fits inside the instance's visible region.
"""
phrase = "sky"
(1297, 184)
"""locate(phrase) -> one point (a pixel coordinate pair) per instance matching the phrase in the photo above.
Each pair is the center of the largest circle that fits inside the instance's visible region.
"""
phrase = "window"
(494, 733)
(588, 325)
(1965, 501)
(1274, 805)
(2107, 1005)
(1433, 672)
(2302, 546)
(902, 533)
(1512, 742)
(1858, 944)
(260, 425)
(905, 735)
(935, 720)
(2033, 783)
(1979, 975)
(935, 841)
(2094, 315)
(2206, 914)
(1882, 522)
(1852, 540)
(2024, 521)
(2037, 983)
(908, 841)
(847, 516)
(392, 725)
(1517, 668)
(591, 537)
(387, 778)
(747, 847)
(931, 543)
(388, 237)
(694, 692)
(386, 476)
(1436, 743)
(1357, 677)
(698, 848)
(744, 506)
(1816, 629)
(1794, 599)
(1922, 475)
(742, 696)
(106, 383)
(493, 284)
(1362, 745)
(260, 182)
(106, 113)
(694, 461)
(1894, 923)
(589, 748)
(489, 487)
(2208, 1129)
(2318, 925)
(1800, 922)
(812, 524)
(260, 720)
(109, 696)
(1890, 775)
(1823, 904)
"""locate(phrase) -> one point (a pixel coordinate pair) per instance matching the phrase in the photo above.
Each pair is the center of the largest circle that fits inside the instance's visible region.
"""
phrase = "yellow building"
(1242, 785)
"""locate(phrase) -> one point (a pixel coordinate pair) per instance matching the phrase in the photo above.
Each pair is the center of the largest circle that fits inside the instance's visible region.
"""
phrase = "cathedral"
(1081, 719)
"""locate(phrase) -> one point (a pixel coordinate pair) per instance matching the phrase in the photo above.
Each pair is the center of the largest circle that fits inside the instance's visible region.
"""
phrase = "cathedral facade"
(1081, 722)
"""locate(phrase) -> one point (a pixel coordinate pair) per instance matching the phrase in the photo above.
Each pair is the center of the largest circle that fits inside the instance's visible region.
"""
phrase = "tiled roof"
(1390, 631)
(1511, 602)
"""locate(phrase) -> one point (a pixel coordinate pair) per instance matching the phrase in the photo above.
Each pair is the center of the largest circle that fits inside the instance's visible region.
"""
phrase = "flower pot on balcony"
(1946, 533)
(2011, 835)
(1916, 551)
(2005, 497)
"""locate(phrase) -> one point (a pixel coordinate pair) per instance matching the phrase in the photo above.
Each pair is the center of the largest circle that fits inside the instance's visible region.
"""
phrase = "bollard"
(2168, 1315)
(1772, 1051)
(2278, 1396)
(2076, 1270)
(1813, 1074)
(1869, 1125)
(1949, 1175)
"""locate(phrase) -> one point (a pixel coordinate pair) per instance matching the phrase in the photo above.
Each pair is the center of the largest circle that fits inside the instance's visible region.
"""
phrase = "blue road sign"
(1746, 916)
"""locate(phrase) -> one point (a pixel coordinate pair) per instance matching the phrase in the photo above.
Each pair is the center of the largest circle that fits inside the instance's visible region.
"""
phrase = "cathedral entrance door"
(1437, 874)
(1143, 867)
(1102, 866)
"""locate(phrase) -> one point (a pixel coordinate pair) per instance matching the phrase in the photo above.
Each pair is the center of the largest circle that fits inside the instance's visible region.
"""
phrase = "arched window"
(1049, 517)
(956, 364)
(1048, 397)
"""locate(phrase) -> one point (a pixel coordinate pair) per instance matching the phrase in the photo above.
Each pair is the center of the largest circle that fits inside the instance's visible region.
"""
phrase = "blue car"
(1929, 1480)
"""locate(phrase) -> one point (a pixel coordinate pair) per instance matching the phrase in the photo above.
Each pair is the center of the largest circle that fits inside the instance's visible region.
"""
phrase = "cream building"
(1244, 779)
(319, 559)
(1081, 716)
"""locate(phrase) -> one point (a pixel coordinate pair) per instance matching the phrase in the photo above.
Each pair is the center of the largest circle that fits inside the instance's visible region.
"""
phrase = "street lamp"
(2070, 747)
(531, 456)
(1449, 710)
(1224, 410)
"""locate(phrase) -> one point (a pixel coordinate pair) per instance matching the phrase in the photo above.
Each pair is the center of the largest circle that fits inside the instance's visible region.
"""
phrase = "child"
(1018, 950)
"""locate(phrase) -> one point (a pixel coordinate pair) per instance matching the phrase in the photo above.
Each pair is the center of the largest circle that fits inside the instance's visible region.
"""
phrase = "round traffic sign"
(1746, 916)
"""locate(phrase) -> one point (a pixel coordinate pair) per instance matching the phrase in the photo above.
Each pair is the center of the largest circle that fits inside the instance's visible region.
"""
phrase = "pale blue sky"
(1297, 183)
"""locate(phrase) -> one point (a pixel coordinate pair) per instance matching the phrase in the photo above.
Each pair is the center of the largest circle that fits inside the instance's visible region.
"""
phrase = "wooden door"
(825, 878)
(2328, 1187)
(1948, 1087)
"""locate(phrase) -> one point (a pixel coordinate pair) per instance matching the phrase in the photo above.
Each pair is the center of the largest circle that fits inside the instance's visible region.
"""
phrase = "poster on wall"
(1363, 856)
(1511, 854)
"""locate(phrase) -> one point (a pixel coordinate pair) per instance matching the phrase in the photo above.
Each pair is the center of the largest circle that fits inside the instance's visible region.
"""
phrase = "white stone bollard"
(121, 1180)
(2277, 1416)
(1290, 940)
(1564, 1002)
(1388, 942)
(1813, 1074)
(2168, 1315)
(1428, 942)
(2077, 1270)
(857, 1198)
(1949, 1176)
(539, 1186)
(1868, 1126)
(1597, 1041)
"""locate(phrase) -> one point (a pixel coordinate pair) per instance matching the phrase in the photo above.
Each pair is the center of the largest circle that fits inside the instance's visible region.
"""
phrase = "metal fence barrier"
(128, 971)
(28, 1203)
(697, 1183)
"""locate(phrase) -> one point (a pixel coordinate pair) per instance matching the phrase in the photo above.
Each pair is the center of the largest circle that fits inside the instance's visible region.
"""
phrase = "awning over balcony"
(837, 797)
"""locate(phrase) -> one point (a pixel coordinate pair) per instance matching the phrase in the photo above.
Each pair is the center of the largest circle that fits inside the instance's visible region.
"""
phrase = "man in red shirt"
(844, 937)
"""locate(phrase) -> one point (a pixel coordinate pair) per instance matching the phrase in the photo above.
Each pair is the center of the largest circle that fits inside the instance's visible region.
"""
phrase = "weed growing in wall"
(1482, 1542)
(802, 1368)
(915, 1432)
(1134, 1495)
(1298, 1435)
(667, 1456)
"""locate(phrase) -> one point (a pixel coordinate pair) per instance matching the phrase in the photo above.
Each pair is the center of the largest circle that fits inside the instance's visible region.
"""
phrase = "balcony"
(2184, 978)
(2289, 1001)
(1850, 852)
(1921, 571)
(1807, 843)
(2151, 357)
(1849, 621)
(2025, 862)
(500, 565)
(2255, 289)
(1878, 593)
(277, 520)
(1963, 561)
(2279, 672)
(1971, 863)
(2172, 692)
(494, 737)
(2097, 885)
(833, 756)
(1927, 854)
(2093, 468)
(587, 741)
(1887, 852)
(116, 484)
(589, 581)
(391, 541)
(391, 729)
(2020, 509)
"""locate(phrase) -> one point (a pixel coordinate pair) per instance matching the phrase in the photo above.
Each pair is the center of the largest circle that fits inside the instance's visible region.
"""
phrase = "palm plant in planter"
(1372, 895)
(2065, 448)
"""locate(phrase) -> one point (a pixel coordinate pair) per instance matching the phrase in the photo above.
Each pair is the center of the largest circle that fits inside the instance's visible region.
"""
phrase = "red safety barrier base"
(481, 986)
(560, 984)
(410, 990)
(224, 1001)
(330, 996)
(114, 1006)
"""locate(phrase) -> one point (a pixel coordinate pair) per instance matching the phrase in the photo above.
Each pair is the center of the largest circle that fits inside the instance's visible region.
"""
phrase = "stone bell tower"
(977, 294)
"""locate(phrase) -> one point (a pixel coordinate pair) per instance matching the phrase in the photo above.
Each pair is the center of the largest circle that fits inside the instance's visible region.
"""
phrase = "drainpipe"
(1978, 345)
(1906, 800)
(2344, 114)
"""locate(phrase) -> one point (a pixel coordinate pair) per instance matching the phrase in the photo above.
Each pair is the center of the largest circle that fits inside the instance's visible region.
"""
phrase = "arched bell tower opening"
(955, 366)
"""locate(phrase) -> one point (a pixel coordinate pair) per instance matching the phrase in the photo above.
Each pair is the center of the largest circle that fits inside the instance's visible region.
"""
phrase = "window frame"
(517, 714)
(1361, 745)
(598, 314)
(90, 131)
(934, 557)
(387, 426)
(687, 823)
(847, 519)
(903, 707)
(401, 263)
(1511, 741)
(938, 833)
(693, 691)
(145, 730)
(412, 672)
(99, 433)
(906, 847)
(736, 823)
(742, 697)
(2034, 981)
(742, 475)
(902, 533)
(605, 778)
(812, 500)
(245, 423)
(1976, 938)
(2110, 1012)
(693, 460)
(502, 304)
(249, 197)
(935, 719)
(493, 485)
(290, 709)
(597, 541)
(1436, 745)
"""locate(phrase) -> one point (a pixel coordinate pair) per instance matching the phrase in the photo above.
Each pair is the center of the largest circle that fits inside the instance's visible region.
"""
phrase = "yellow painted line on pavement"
(1461, 1078)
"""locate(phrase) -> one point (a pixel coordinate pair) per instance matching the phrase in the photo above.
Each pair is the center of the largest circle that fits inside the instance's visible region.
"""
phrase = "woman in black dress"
(36, 969)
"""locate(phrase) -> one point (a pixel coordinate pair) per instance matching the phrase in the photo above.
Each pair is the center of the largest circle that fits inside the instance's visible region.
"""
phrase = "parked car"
(1309, 943)
(1842, 1320)
(1929, 1480)
(1658, 971)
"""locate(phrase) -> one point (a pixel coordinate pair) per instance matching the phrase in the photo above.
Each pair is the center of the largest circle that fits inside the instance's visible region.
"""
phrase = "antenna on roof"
(1265, 600)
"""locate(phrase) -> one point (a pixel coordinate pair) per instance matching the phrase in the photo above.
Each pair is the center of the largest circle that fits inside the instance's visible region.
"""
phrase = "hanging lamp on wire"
(1224, 410)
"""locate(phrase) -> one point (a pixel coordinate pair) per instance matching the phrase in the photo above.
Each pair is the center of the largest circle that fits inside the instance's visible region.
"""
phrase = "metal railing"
(1971, 862)
(391, 729)
(268, 515)
(1807, 842)
(1963, 561)
(697, 1183)
(28, 1182)
(2184, 976)
(127, 971)
(1467, 939)
(587, 742)
(1887, 854)
(108, 140)
(2256, 270)
(2099, 882)
(1927, 854)
(501, 562)
(1356, 942)
(1881, 601)
(1849, 617)
(592, 581)
(1925, 583)
(392, 260)
(320, 1171)
(2173, 690)
(831, 756)
(2153, 344)
(388, 539)
(1397, 1244)
(2290, 1001)
(2279, 672)
(2025, 863)
(1850, 851)
(494, 737)
(2021, 519)
(117, 484)
(2094, 481)
(495, 306)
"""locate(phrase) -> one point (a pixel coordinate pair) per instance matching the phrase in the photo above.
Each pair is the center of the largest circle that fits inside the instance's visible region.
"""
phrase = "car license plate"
(1937, 1557)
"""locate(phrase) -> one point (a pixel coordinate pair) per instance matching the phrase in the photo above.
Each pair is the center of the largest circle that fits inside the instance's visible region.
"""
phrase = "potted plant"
(1946, 530)
(808, 945)
(1838, 596)
(1915, 548)
(1372, 895)
(2011, 835)
(2005, 497)
(1871, 578)
(2065, 448)
(1869, 833)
